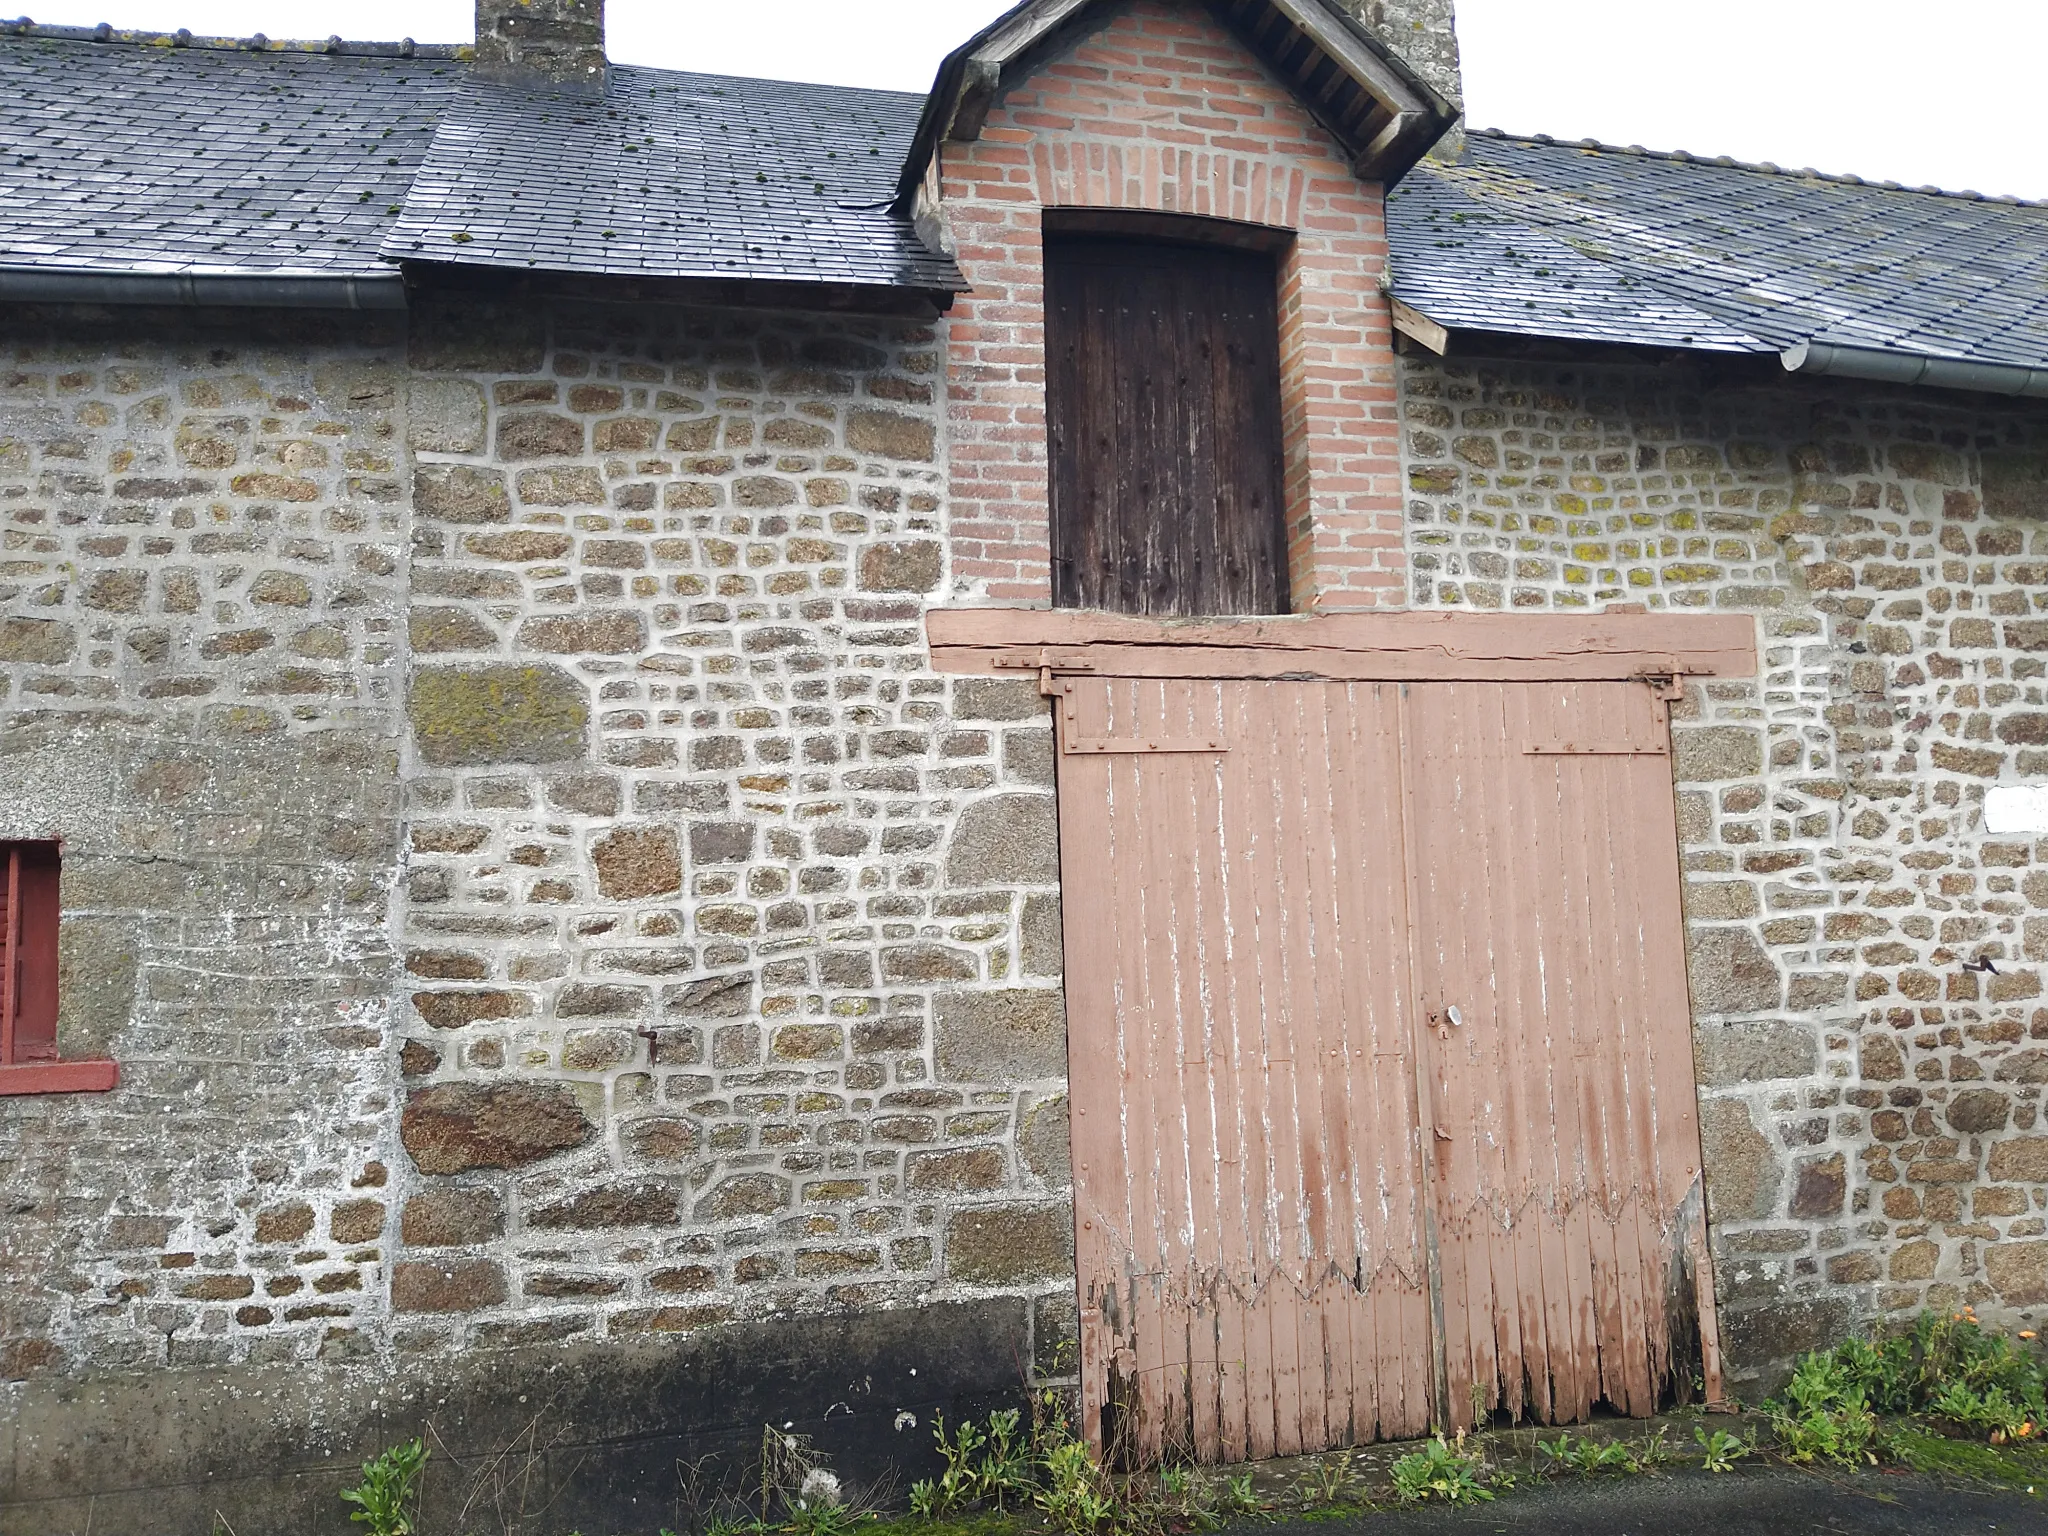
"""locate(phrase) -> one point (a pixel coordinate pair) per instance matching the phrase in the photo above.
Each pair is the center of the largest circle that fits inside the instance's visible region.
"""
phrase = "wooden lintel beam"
(978, 86)
(1379, 647)
(982, 76)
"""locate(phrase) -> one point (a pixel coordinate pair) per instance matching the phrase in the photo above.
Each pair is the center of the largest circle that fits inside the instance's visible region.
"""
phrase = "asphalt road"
(1771, 1501)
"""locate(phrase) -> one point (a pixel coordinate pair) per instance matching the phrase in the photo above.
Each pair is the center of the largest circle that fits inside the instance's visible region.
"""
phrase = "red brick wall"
(1163, 110)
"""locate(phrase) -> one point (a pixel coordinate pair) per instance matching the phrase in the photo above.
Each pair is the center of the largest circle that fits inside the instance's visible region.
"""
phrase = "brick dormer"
(1274, 125)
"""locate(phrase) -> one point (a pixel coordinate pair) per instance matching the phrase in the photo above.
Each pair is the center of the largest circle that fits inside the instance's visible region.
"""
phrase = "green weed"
(820, 1520)
(1441, 1470)
(1586, 1457)
(1992, 1410)
(1187, 1501)
(1077, 1496)
(1326, 1481)
(983, 1463)
(1569, 1453)
(1721, 1450)
(1827, 1417)
(387, 1498)
(1237, 1496)
(1912, 1371)
(1946, 1367)
(1048, 1469)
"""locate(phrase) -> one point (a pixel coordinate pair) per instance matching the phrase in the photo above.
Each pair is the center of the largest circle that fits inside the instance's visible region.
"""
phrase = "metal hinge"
(1137, 746)
(1593, 749)
(1046, 663)
(1074, 744)
(1668, 686)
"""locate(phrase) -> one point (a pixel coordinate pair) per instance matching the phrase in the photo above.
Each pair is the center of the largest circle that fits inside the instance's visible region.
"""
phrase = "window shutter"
(28, 952)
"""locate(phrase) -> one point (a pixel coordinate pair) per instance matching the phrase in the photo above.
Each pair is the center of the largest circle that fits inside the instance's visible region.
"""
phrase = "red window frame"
(30, 907)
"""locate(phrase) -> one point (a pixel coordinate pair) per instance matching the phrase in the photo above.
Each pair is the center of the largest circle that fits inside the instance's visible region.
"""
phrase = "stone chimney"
(542, 42)
(1424, 33)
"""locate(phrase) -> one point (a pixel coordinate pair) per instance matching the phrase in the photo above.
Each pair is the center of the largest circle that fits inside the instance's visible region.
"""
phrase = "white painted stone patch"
(2016, 808)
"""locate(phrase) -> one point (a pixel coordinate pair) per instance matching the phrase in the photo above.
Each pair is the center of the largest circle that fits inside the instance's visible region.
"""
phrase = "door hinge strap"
(1592, 749)
(1137, 746)
(1073, 744)
(1048, 664)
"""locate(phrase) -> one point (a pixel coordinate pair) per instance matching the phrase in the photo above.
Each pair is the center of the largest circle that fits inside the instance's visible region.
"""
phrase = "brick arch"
(1161, 110)
(1166, 178)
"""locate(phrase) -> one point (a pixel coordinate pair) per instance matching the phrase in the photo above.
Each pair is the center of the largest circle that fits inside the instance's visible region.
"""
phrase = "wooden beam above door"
(1412, 646)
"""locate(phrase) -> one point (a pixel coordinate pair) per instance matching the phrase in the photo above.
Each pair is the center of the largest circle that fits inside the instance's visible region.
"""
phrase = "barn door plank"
(1591, 872)
(1183, 716)
(1509, 1145)
(1629, 1155)
(1226, 1011)
(1591, 1023)
(1102, 1219)
(1393, 1307)
(1281, 1015)
(1154, 1119)
(1341, 1067)
(1325, 1114)
(1537, 1067)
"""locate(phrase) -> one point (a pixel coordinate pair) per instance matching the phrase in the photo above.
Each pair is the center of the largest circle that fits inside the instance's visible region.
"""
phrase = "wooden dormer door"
(1163, 404)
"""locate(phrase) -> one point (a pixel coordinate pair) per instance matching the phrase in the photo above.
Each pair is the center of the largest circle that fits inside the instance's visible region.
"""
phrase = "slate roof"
(140, 153)
(1586, 242)
(145, 157)
(672, 175)
(132, 152)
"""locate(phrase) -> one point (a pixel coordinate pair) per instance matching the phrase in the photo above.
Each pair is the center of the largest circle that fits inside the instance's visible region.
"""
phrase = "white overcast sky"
(1942, 92)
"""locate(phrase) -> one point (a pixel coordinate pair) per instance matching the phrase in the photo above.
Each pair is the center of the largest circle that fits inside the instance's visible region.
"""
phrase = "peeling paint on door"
(1382, 1077)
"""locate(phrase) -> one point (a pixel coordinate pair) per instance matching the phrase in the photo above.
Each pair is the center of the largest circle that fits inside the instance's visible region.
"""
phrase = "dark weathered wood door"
(1382, 1084)
(1163, 401)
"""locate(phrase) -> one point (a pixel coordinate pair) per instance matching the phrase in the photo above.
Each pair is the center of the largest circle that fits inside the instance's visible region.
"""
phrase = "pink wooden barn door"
(1380, 1048)
(1249, 1221)
(1549, 966)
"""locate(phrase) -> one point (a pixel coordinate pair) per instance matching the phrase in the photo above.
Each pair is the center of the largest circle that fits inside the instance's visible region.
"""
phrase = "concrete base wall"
(601, 1437)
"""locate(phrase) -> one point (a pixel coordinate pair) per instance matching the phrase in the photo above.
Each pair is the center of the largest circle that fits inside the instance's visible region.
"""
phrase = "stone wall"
(557, 933)
(201, 599)
(1871, 1109)
(729, 929)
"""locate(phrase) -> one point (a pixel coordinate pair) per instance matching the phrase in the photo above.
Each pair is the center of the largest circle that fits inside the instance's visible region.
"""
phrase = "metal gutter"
(47, 285)
(1819, 357)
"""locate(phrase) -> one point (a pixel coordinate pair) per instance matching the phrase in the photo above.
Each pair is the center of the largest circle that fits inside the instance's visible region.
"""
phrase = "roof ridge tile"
(1761, 167)
(184, 37)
